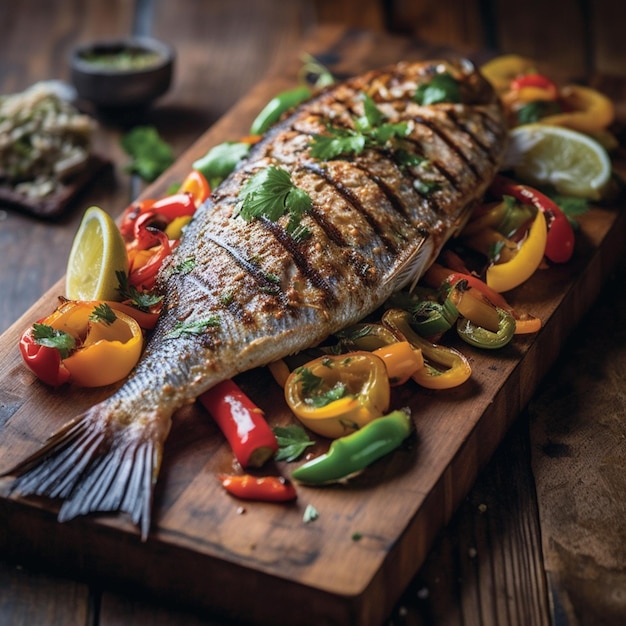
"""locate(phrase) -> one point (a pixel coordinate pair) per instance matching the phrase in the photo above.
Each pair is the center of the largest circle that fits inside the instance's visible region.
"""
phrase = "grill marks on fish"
(375, 225)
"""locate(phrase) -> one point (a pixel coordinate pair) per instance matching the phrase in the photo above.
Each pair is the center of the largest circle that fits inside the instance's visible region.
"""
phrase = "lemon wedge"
(572, 162)
(98, 252)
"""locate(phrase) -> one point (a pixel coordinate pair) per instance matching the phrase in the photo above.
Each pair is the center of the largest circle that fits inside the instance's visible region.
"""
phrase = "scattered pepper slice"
(352, 453)
(264, 488)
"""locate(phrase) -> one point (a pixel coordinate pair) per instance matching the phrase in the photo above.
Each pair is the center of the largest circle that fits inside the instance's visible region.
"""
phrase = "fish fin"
(93, 467)
(413, 267)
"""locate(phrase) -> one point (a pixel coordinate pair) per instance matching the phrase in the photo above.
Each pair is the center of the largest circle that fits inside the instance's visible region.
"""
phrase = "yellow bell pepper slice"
(506, 276)
(335, 395)
(107, 351)
(444, 367)
(589, 110)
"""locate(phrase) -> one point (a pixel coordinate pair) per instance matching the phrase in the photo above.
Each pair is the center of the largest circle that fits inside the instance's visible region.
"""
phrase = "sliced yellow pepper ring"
(506, 276)
(107, 352)
(335, 395)
(475, 307)
(590, 110)
(400, 358)
(401, 361)
(443, 367)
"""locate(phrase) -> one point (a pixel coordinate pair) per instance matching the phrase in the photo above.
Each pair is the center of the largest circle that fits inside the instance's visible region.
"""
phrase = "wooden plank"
(606, 30)
(199, 527)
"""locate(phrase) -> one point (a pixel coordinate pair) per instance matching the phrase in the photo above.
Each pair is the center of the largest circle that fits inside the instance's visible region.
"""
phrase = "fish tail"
(94, 465)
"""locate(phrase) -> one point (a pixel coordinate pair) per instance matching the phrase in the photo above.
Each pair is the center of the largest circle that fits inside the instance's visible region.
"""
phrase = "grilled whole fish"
(257, 292)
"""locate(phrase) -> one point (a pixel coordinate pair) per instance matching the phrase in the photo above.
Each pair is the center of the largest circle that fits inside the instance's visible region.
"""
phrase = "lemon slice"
(570, 161)
(98, 251)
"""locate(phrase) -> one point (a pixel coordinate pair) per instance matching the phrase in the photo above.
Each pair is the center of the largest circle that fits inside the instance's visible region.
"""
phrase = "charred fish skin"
(256, 293)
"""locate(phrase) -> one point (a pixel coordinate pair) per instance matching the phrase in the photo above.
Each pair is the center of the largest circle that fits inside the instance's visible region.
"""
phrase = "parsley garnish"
(104, 314)
(370, 130)
(50, 337)
(191, 328)
(149, 153)
(142, 300)
(271, 193)
(311, 389)
(310, 514)
(534, 111)
(442, 88)
(292, 442)
(184, 267)
(404, 158)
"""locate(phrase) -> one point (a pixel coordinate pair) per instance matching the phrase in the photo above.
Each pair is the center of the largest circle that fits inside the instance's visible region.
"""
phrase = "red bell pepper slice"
(264, 488)
(43, 361)
(535, 80)
(143, 277)
(560, 243)
(242, 423)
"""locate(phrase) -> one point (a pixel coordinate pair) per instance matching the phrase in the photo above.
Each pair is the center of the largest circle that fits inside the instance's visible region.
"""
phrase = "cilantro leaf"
(292, 442)
(184, 267)
(310, 514)
(370, 130)
(103, 313)
(271, 193)
(142, 300)
(534, 111)
(221, 160)
(442, 88)
(50, 337)
(191, 328)
(150, 155)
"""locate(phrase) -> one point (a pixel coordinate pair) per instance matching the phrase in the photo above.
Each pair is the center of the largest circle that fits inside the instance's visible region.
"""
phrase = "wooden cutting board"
(261, 562)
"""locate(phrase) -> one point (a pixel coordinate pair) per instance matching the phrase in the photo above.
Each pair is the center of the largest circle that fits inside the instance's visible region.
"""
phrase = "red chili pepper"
(167, 208)
(265, 488)
(43, 361)
(535, 80)
(242, 423)
(145, 275)
(560, 243)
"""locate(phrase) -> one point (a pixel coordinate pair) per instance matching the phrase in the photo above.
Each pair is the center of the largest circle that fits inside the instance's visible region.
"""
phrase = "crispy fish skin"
(256, 294)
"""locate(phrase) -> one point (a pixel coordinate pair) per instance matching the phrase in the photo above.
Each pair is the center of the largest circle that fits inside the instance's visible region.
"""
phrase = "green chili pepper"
(482, 338)
(221, 160)
(277, 106)
(352, 453)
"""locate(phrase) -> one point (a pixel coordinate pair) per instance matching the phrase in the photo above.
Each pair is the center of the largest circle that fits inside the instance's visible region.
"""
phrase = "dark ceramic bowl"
(123, 73)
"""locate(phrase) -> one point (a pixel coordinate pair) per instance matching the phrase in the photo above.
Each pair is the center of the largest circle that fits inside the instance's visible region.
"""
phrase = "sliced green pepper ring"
(480, 337)
(335, 395)
(364, 336)
(432, 319)
(443, 367)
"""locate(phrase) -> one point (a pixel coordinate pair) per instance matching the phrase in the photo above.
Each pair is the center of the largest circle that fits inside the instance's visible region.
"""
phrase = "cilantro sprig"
(103, 314)
(292, 442)
(312, 391)
(442, 87)
(370, 130)
(271, 193)
(192, 328)
(50, 337)
(142, 300)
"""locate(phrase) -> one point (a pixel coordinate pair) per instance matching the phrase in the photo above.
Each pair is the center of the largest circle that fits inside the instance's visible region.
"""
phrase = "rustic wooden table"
(540, 538)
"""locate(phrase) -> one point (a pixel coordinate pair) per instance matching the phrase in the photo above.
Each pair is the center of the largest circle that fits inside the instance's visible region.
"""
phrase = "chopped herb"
(50, 337)
(104, 314)
(442, 88)
(370, 130)
(426, 186)
(150, 155)
(142, 300)
(570, 205)
(312, 392)
(357, 536)
(191, 328)
(534, 111)
(310, 514)
(271, 193)
(292, 442)
(227, 298)
(404, 158)
(184, 267)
